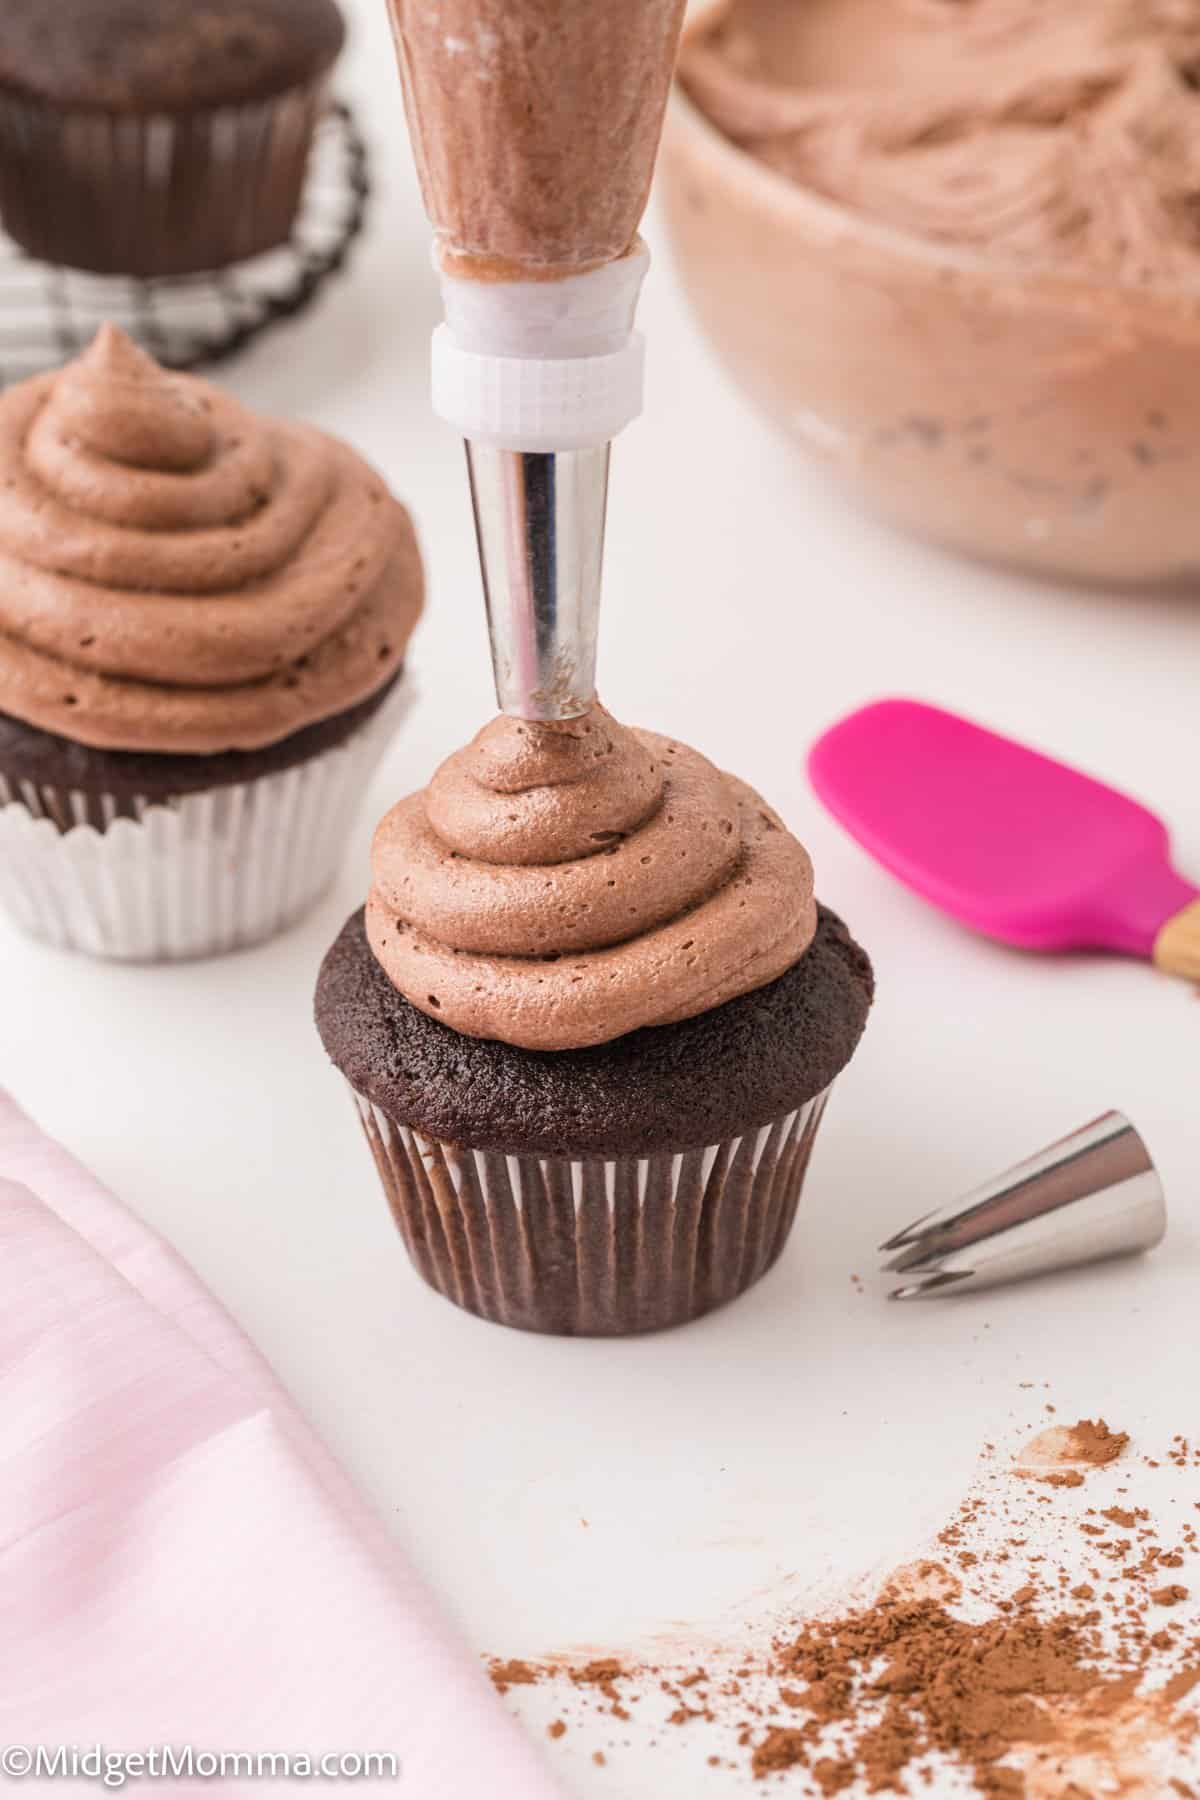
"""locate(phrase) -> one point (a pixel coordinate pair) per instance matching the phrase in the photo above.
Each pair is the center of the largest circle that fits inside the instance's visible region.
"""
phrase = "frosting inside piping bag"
(1053, 132)
(179, 574)
(535, 125)
(561, 884)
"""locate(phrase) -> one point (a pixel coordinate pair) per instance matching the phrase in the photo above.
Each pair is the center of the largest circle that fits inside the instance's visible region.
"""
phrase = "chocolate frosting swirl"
(178, 574)
(562, 884)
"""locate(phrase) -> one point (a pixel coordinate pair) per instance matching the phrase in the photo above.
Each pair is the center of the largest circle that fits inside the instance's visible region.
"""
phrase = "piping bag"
(535, 125)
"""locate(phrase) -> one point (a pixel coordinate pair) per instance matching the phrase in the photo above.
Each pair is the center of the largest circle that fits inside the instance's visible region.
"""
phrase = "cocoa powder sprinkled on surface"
(970, 1691)
(1119, 1515)
(1061, 1455)
(1063, 1478)
(1010, 1667)
(511, 1672)
(1094, 1443)
(782, 1748)
(1170, 1595)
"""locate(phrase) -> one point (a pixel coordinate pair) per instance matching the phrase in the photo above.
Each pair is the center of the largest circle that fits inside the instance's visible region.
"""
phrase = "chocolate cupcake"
(203, 619)
(157, 137)
(590, 1018)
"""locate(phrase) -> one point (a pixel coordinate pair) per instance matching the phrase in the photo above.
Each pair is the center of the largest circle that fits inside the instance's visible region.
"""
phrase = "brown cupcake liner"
(592, 1246)
(154, 194)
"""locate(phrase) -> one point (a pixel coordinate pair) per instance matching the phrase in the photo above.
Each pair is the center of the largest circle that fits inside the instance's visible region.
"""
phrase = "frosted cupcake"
(590, 1016)
(203, 621)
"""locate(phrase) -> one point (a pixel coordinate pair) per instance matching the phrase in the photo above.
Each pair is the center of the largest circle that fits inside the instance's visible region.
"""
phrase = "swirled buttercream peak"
(561, 884)
(180, 574)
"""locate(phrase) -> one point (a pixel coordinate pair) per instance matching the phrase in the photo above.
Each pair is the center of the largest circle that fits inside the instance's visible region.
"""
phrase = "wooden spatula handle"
(1177, 946)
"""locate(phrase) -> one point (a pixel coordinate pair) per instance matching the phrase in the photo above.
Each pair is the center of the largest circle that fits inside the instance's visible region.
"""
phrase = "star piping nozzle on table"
(1090, 1196)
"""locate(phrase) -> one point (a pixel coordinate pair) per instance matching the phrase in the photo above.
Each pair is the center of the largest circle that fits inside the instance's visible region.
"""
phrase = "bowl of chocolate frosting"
(953, 248)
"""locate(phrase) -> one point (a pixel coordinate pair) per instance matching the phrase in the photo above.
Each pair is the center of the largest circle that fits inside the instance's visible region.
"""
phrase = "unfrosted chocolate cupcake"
(203, 620)
(158, 137)
(590, 1017)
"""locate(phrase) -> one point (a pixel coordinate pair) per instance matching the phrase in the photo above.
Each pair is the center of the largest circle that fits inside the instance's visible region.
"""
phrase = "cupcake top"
(145, 56)
(560, 885)
(178, 574)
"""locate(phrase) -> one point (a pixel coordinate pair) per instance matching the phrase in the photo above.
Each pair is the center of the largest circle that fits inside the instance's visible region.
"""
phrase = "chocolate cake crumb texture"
(664, 1088)
(46, 760)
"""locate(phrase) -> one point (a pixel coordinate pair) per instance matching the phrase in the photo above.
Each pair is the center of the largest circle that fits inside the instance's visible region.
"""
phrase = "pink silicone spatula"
(1010, 842)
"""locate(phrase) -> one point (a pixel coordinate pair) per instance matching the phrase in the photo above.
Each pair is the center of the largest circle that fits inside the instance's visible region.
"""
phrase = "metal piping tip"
(918, 1252)
(539, 522)
(939, 1281)
(1090, 1196)
(909, 1235)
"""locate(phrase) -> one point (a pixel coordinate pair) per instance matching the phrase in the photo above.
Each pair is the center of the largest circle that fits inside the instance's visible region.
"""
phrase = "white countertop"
(810, 1433)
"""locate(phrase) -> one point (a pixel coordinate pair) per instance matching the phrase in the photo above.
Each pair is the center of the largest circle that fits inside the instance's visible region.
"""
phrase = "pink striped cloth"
(181, 1560)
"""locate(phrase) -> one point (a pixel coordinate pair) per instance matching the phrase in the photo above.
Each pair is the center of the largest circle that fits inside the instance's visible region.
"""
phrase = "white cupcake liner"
(594, 1246)
(192, 876)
